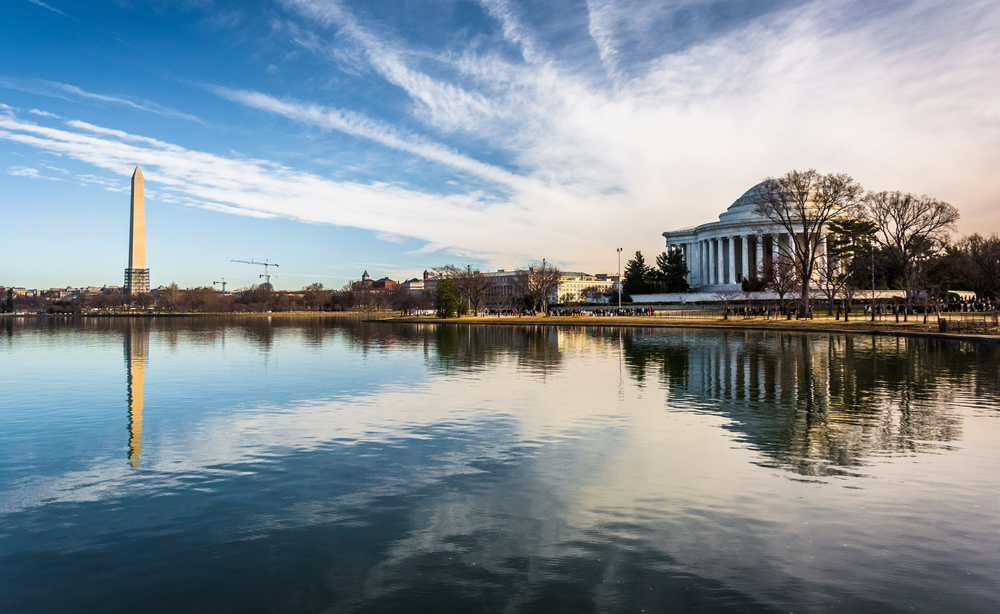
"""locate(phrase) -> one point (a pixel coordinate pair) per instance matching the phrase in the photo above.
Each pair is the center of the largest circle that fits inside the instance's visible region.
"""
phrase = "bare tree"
(727, 297)
(910, 228)
(380, 298)
(316, 296)
(537, 284)
(782, 278)
(478, 287)
(802, 202)
(404, 301)
(361, 296)
(982, 258)
(171, 298)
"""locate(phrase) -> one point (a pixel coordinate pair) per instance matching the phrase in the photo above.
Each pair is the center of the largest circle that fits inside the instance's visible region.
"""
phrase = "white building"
(572, 284)
(568, 289)
(719, 255)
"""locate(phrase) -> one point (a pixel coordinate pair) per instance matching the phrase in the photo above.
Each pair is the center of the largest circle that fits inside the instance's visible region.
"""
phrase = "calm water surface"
(275, 465)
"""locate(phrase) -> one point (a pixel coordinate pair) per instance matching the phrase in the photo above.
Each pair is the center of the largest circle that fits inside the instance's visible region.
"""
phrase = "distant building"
(416, 285)
(572, 285)
(377, 284)
(383, 284)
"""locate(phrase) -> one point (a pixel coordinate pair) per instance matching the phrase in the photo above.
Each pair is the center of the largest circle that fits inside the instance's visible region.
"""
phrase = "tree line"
(458, 291)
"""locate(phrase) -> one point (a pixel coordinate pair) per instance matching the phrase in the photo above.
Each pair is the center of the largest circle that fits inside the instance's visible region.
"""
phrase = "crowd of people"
(601, 312)
(975, 304)
(764, 310)
(511, 312)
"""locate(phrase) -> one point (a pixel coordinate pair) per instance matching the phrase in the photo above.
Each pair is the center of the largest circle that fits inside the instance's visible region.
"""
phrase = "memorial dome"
(748, 200)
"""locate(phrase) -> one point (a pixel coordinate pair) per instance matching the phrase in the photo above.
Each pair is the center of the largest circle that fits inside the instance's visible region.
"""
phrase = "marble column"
(690, 265)
(732, 260)
(708, 262)
(713, 261)
(760, 254)
(774, 248)
(745, 272)
(704, 262)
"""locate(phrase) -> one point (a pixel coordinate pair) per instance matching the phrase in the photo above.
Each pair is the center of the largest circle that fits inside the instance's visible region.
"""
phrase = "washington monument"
(137, 275)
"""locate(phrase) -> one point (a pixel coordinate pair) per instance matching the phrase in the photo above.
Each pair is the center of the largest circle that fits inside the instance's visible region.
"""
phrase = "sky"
(333, 137)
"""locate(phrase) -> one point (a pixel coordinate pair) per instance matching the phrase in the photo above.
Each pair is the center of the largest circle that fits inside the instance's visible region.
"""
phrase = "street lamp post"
(871, 245)
(545, 301)
(619, 278)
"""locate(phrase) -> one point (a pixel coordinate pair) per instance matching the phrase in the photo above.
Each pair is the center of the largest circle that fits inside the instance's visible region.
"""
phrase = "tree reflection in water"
(819, 404)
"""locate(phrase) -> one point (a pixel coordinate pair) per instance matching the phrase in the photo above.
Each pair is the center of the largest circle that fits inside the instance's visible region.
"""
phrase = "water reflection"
(136, 356)
(504, 468)
(819, 404)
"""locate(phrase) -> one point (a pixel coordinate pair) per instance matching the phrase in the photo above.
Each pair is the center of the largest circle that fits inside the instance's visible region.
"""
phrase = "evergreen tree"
(8, 305)
(637, 275)
(672, 271)
(446, 299)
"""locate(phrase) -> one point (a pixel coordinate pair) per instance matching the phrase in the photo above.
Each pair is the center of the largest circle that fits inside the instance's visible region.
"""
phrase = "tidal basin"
(333, 465)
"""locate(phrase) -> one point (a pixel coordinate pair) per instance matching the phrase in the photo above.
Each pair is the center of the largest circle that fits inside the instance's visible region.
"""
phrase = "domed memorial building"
(743, 243)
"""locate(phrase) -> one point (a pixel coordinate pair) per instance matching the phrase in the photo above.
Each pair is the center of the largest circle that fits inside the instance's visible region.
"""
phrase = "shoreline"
(820, 325)
(823, 324)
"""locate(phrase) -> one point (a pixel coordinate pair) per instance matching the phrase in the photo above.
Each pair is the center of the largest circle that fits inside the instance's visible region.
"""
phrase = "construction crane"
(223, 283)
(266, 264)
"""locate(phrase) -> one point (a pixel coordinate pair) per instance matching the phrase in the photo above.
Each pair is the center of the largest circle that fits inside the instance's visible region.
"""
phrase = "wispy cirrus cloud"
(46, 6)
(360, 125)
(449, 106)
(71, 92)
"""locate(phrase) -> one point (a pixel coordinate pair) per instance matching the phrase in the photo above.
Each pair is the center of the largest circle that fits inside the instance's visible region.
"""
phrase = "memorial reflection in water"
(136, 356)
(819, 404)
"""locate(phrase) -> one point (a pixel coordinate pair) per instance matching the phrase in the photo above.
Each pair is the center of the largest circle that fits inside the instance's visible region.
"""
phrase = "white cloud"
(31, 173)
(263, 189)
(901, 98)
(61, 90)
(388, 237)
(44, 114)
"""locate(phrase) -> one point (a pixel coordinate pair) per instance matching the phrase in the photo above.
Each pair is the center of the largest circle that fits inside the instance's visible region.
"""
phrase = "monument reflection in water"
(136, 355)
(310, 465)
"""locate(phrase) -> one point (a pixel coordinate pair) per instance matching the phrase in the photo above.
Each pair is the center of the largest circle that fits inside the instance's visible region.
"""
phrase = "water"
(281, 465)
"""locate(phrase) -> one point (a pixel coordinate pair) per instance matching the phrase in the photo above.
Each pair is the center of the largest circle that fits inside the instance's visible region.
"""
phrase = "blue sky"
(335, 136)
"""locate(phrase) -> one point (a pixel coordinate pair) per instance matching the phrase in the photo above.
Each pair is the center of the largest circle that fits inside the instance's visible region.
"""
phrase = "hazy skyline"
(333, 137)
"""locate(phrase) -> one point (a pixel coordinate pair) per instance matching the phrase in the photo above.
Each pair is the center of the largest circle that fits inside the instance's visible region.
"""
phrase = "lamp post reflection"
(136, 354)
